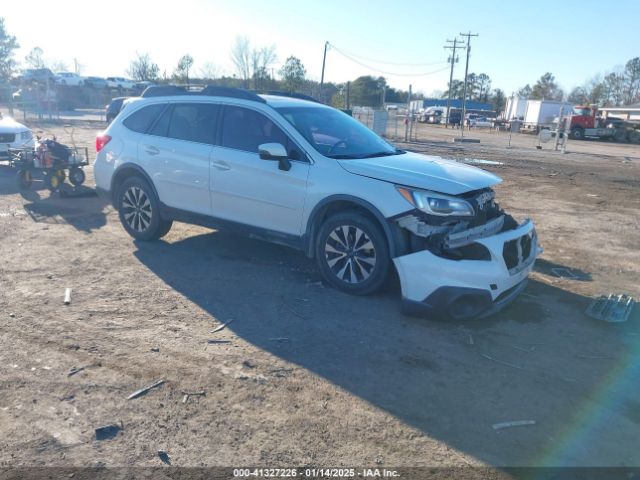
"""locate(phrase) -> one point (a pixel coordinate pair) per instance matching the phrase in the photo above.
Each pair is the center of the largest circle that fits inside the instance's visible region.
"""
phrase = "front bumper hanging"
(463, 289)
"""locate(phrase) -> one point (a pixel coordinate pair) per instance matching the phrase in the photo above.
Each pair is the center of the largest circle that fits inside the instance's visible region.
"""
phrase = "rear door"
(252, 191)
(176, 153)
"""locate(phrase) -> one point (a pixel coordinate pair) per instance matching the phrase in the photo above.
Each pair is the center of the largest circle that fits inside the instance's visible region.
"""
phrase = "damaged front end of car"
(464, 257)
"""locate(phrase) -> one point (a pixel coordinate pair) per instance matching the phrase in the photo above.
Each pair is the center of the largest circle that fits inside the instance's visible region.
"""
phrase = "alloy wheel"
(137, 210)
(350, 254)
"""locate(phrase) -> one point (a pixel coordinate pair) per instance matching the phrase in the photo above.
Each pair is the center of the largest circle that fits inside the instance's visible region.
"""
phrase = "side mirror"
(275, 152)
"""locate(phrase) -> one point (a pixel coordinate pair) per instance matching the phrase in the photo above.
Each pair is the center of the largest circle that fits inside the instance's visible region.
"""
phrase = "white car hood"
(9, 125)
(422, 171)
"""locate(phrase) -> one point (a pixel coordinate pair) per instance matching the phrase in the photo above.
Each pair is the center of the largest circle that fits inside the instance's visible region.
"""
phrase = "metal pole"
(466, 73)
(406, 120)
(453, 61)
(559, 129)
(324, 60)
(348, 87)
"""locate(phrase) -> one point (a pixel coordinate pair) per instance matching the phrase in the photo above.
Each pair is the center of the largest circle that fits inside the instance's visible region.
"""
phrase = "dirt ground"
(305, 375)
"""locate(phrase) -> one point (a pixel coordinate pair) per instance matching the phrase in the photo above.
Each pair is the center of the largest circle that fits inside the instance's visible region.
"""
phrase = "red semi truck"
(585, 123)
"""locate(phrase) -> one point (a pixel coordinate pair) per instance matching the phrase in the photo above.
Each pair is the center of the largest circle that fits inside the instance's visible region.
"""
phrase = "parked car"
(37, 75)
(95, 82)
(142, 85)
(481, 122)
(14, 135)
(114, 107)
(455, 118)
(69, 78)
(308, 176)
(120, 83)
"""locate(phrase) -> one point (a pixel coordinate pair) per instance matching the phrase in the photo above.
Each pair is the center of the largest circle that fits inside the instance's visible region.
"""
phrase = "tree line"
(614, 89)
(253, 69)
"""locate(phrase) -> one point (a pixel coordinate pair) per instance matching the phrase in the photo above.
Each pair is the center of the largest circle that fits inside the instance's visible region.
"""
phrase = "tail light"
(101, 141)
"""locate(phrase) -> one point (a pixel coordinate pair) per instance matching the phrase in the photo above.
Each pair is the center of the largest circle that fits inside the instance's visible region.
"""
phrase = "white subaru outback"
(302, 174)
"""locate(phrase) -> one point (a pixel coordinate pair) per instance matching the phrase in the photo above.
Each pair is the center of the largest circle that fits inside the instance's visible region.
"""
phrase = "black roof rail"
(300, 96)
(169, 90)
(215, 91)
(163, 91)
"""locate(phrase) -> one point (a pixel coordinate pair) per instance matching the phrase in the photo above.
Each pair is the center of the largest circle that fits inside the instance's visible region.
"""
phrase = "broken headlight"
(438, 204)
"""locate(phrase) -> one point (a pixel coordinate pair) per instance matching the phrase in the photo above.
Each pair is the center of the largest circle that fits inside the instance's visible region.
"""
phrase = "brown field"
(310, 376)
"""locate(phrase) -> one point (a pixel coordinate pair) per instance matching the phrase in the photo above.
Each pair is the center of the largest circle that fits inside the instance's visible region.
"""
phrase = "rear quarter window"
(140, 120)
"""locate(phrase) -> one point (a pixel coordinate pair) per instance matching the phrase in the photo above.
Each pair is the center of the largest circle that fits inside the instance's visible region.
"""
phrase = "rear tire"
(352, 253)
(577, 133)
(139, 210)
(77, 176)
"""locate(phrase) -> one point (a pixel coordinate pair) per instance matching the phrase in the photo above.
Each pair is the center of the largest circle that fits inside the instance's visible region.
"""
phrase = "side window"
(245, 129)
(161, 126)
(141, 120)
(194, 122)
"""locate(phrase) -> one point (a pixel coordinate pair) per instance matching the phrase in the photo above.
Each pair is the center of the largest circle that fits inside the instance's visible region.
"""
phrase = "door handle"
(151, 150)
(220, 165)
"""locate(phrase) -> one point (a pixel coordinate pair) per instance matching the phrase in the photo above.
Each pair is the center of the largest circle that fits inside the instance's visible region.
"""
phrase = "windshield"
(335, 134)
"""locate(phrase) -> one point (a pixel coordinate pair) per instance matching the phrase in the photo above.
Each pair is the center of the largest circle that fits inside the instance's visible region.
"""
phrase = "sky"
(401, 40)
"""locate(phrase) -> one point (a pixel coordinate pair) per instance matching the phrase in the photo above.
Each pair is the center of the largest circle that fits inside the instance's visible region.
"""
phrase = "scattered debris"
(67, 296)
(188, 395)
(595, 357)
(155, 349)
(222, 327)
(516, 423)
(506, 364)
(143, 391)
(281, 372)
(477, 161)
(564, 273)
(74, 370)
(248, 364)
(612, 308)
(12, 315)
(107, 432)
(523, 349)
(164, 456)
(218, 341)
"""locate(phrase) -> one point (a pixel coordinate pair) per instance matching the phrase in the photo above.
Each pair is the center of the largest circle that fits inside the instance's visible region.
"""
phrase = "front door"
(252, 191)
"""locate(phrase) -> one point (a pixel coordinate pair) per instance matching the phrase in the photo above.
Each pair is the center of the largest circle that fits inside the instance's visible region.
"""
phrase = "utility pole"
(324, 60)
(453, 59)
(407, 118)
(348, 100)
(466, 73)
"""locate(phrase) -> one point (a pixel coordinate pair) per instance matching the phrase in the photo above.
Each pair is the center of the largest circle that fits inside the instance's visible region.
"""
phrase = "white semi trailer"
(541, 114)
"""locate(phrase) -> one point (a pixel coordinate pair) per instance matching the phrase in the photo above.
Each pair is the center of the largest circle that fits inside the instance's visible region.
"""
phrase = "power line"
(387, 72)
(343, 51)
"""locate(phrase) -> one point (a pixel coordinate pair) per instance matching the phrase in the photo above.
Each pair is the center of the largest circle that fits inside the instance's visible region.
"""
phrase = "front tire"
(352, 253)
(139, 210)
